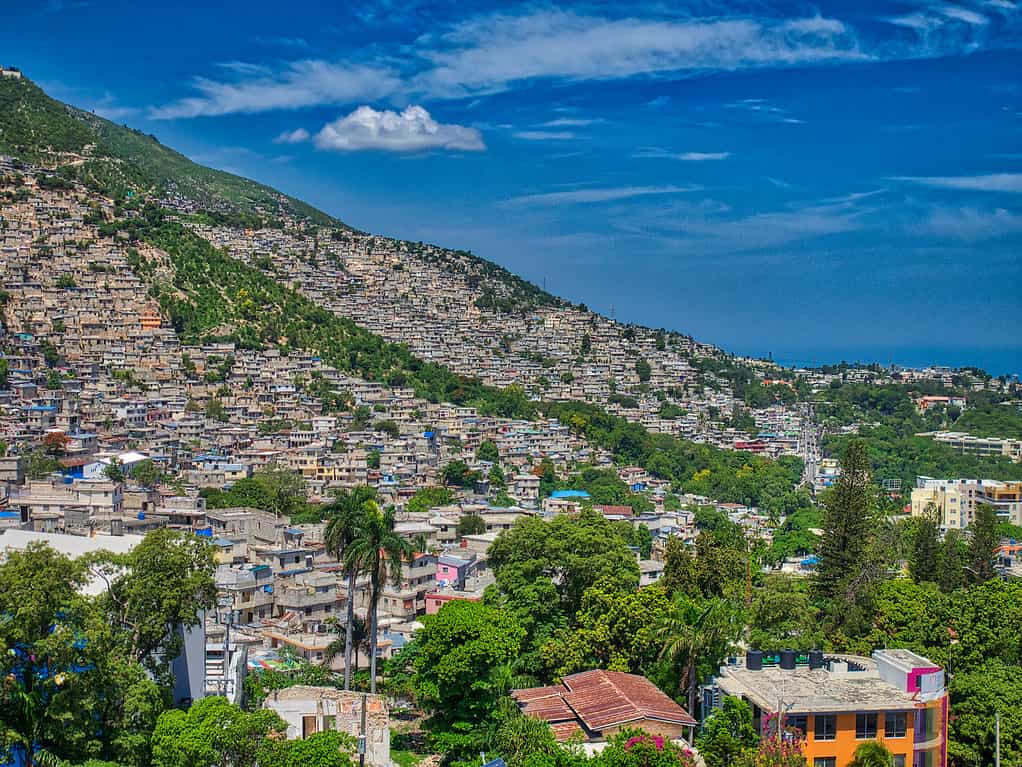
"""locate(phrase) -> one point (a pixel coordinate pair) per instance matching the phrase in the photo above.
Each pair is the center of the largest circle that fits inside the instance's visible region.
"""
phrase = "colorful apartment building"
(837, 702)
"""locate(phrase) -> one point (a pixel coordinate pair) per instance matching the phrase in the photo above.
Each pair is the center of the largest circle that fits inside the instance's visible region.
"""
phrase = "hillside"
(117, 159)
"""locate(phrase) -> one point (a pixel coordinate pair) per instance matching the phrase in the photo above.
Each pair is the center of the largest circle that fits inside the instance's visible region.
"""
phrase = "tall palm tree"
(692, 629)
(346, 514)
(377, 551)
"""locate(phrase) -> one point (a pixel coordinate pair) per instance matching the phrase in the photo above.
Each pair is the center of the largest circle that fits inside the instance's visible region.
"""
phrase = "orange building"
(838, 702)
(150, 320)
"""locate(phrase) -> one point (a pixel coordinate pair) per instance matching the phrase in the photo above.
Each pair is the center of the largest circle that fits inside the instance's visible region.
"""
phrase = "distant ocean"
(996, 361)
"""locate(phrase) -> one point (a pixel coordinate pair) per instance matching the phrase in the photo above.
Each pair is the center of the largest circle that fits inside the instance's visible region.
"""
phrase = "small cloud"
(991, 182)
(972, 224)
(579, 196)
(296, 136)
(245, 68)
(703, 156)
(658, 103)
(544, 135)
(570, 122)
(663, 154)
(109, 108)
(412, 130)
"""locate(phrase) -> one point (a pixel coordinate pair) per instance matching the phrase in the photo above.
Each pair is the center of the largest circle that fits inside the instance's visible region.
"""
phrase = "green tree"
(428, 498)
(70, 692)
(872, 753)
(487, 451)
(614, 629)
(572, 553)
(983, 539)
(698, 631)
(782, 615)
(458, 474)
(952, 559)
(924, 561)
(114, 471)
(159, 587)
(215, 410)
(643, 370)
(525, 740)
(345, 518)
(635, 748)
(846, 567)
(215, 733)
(975, 697)
(147, 474)
(471, 524)
(378, 551)
(462, 649)
(727, 733)
(373, 459)
(284, 488)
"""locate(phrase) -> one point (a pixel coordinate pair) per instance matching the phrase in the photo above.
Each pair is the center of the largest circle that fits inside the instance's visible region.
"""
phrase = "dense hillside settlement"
(254, 460)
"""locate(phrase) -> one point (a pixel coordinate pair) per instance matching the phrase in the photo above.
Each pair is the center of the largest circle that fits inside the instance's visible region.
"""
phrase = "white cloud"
(703, 156)
(411, 130)
(992, 182)
(544, 135)
(663, 154)
(301, 84)
(296, 136)
(488, 54)
(570, 122)
(972, 224)
(491, 53)
(607, 194)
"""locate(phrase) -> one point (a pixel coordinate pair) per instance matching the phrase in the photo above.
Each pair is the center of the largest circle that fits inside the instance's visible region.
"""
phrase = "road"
(809, 444)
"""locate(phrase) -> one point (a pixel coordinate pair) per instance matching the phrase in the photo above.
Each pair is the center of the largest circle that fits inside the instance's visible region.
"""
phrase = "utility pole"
(362, 736)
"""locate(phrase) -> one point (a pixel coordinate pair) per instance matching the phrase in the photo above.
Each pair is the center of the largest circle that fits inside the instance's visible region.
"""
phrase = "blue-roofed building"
(571, 494)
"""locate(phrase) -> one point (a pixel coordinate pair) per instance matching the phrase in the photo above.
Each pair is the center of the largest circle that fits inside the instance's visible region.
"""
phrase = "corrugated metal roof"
(595, 700)
(606, 698)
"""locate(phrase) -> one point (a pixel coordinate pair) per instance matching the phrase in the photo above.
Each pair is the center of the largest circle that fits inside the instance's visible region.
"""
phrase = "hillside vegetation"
(118, 160)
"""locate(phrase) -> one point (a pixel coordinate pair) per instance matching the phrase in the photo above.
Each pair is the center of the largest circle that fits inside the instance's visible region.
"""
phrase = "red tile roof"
(607, 698)
(598, 700)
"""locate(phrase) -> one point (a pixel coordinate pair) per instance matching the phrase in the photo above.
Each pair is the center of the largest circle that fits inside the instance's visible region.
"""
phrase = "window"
(825, 726)
(899, 760)
(825, 761)
(796, 722)
(895, 724)
(865, 726)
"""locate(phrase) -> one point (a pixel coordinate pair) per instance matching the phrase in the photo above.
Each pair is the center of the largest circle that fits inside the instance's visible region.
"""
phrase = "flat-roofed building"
(839, 701)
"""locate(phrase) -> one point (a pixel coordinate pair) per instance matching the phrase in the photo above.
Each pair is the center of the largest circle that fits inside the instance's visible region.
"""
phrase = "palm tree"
(692, 629)
(346, 514)
(378, 551)
(357, 639)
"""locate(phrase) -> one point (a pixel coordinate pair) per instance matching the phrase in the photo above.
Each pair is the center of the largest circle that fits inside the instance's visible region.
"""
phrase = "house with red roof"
(591, 706)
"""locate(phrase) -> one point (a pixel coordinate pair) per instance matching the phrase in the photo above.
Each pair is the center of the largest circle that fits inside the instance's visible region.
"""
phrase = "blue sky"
(837, 180)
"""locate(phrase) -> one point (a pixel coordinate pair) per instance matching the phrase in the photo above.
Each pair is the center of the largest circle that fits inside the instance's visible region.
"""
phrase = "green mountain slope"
(116, 159)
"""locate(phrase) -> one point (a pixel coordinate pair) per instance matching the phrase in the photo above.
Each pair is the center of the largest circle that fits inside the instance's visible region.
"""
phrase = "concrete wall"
(314, 709)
